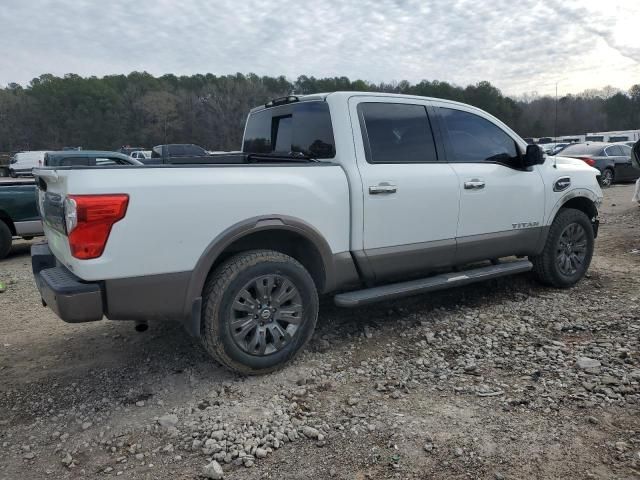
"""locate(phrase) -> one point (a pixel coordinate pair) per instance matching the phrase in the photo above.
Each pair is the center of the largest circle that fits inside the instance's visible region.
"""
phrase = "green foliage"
(143, 110)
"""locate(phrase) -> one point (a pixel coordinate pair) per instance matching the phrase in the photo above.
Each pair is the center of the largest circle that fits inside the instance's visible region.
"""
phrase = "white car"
(22, 163)
(140, 155)
(375, 196)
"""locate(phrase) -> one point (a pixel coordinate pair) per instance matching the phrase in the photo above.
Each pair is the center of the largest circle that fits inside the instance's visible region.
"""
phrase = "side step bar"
(430, 284)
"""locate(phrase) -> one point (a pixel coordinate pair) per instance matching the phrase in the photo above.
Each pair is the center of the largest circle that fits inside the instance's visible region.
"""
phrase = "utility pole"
(555, 125)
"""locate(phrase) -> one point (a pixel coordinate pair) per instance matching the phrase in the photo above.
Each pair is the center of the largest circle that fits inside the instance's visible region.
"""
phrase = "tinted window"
(583, 149)
(156, 152)
(397, 133)
(177, 150)
(626, 150)
(110, 161)
(283, 134)
(618, 139)
(303, 127)
(614, 151)
(69, 161)
(475, 139)
(594, 138)
(194, 150)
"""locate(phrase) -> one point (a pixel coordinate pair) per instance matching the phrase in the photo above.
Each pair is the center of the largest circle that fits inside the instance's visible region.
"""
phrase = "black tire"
(235, 281)
(5, 240)
(606, 178)
(12, 174)
(551, 267)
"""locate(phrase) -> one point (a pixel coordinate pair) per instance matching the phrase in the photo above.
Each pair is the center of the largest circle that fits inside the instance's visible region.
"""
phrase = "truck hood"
(573, 164)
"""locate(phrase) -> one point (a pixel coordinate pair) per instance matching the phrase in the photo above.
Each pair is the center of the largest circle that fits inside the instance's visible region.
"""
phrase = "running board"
(430, 284)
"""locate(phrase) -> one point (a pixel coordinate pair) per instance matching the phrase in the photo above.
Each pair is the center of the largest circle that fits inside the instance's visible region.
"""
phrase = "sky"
(519, 46)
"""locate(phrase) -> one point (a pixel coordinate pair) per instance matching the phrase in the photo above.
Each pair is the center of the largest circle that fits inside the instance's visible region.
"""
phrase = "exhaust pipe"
(141, 327)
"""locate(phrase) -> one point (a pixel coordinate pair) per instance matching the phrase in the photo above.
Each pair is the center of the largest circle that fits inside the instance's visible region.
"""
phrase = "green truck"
(19, 215)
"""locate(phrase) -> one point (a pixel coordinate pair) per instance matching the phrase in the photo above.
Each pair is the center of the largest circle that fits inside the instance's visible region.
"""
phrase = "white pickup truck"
(367, 196)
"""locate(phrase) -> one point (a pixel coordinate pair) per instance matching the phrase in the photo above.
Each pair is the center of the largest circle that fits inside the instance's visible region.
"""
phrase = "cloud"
(518, 47)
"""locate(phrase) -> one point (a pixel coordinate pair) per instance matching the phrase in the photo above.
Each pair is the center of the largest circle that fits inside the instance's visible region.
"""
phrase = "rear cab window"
(296, 128)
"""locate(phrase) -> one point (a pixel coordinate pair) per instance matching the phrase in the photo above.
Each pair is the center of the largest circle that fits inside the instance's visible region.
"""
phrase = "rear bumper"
(145, 298)
(72, 299)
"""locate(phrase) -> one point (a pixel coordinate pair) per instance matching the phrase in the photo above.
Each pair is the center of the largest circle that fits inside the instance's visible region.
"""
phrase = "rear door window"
(476, 139)
(397, 133)
(614, 151)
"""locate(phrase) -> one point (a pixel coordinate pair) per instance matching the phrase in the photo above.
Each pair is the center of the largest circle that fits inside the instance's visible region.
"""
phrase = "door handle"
(474, 184)
(382, 188)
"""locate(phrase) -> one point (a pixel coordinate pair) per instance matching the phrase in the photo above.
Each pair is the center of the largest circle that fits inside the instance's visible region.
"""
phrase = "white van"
(23, 162)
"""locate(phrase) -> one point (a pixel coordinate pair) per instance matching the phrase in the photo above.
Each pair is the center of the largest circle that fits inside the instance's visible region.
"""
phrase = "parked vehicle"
(93, 158)
(23, 163)
(128, 150)
(141, 155)
(18, 212)
(178, 153)
(547, 147)
(375, 196)
(557, 148)
(611, 159)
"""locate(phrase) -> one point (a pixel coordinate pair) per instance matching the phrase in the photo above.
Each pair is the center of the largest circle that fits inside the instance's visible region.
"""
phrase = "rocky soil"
(500, 380)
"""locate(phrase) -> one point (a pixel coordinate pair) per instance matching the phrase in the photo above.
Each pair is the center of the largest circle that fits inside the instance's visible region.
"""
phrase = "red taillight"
(89, 219)
(588, 160)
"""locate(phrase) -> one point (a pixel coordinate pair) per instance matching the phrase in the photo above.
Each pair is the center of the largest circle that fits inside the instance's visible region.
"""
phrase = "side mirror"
(635, 155)
(533, 156)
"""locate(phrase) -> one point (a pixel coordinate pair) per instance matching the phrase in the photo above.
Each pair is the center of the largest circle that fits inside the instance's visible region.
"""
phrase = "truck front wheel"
(5, 239)
(568, 250)
(259, 309)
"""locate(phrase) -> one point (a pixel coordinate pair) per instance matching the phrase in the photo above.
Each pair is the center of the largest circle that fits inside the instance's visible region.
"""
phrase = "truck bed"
(175, 211)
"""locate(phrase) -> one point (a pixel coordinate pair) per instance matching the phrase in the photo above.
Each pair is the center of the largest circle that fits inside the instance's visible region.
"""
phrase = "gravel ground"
(500, 380)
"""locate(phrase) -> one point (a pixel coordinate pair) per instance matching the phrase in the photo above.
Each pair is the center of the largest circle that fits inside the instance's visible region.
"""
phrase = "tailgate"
(52, 192)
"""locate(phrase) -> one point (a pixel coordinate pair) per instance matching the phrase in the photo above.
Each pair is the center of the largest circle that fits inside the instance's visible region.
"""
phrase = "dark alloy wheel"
(568, 250)
(606, 179)
(266, 314)
(572, 249)
(259, 309)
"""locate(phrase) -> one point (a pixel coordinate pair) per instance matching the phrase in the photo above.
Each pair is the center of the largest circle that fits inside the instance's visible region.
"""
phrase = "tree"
(52, 112)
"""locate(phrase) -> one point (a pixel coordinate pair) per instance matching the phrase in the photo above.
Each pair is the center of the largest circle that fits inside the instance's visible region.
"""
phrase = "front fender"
(594, 197)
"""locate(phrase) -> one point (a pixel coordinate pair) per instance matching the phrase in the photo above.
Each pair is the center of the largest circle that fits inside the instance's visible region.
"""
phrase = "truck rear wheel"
(259, 309)
(5, 240)
(568, 250)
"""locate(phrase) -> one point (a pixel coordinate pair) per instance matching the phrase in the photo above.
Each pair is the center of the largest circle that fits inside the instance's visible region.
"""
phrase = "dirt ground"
(500, 380)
